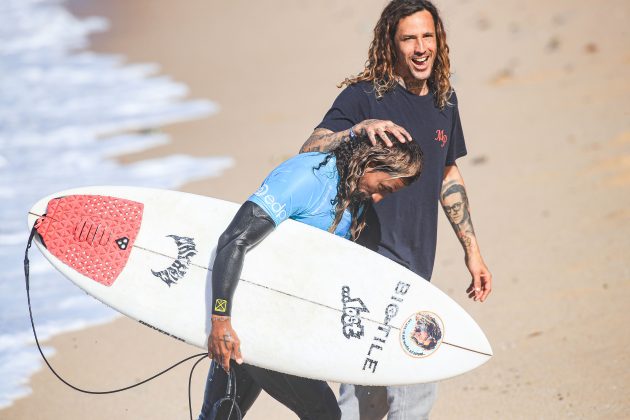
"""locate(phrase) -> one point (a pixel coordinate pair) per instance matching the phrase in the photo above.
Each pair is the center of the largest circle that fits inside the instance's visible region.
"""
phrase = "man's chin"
(359, 198)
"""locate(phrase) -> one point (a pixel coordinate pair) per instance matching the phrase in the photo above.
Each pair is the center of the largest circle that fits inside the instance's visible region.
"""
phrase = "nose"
(376, 197)
(420, 47)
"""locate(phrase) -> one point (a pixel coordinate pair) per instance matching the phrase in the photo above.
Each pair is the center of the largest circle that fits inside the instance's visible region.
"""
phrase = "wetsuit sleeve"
(457, 145)
(350, 108)
(250, 225)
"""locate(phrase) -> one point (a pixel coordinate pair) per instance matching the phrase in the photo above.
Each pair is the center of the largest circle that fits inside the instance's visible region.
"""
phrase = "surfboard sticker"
(93, 234)
(186, 249)
(421, 334)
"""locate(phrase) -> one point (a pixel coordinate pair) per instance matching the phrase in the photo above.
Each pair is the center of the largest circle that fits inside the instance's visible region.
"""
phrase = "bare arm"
(454, 200)
(324, 140)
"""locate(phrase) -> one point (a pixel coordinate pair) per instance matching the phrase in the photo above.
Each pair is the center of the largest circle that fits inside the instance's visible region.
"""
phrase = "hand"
(382, 128)
(223, 343)
(481, 283)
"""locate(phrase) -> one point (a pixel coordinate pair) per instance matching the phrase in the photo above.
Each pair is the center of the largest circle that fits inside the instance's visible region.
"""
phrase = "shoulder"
(300, 169)
(359, 90)
(452, 99)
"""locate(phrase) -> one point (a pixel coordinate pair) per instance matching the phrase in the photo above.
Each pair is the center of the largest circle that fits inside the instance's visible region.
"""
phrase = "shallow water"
(62, 112)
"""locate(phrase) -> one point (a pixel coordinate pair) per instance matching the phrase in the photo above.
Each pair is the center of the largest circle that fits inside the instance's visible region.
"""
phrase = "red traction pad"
(93, 234)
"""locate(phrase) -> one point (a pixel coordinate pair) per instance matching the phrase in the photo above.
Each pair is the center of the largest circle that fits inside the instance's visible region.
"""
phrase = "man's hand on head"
(384, 130)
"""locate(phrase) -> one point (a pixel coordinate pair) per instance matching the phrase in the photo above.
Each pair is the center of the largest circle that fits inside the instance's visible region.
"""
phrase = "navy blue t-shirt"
(403, 226)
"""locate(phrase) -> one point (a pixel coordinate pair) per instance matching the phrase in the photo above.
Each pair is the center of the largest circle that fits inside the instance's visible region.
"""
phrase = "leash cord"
(200, 356)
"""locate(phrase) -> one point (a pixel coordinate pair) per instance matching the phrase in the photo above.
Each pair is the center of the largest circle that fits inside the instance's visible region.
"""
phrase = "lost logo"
(351, 317)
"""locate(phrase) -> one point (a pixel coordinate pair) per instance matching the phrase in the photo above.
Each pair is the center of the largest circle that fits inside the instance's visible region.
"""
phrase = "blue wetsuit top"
(297, 190)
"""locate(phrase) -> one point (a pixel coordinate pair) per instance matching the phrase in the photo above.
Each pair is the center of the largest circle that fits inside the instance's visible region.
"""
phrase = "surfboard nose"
(93, 234)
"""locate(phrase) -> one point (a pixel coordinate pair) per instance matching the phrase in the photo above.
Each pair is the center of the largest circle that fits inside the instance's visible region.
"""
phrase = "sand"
(543, 93)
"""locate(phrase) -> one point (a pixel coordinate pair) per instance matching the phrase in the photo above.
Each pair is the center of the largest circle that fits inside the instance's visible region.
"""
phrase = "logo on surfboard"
(186, 249)
(351, 317)
(421, 334)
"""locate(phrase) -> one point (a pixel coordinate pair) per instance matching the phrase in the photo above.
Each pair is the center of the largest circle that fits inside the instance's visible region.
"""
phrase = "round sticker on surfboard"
(421, 334)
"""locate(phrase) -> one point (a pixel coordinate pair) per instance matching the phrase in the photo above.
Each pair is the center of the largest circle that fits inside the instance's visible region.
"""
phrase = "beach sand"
(543, 93)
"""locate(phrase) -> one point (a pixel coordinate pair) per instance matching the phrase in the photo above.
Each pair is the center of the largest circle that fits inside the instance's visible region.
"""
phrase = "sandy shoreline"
(543, 99)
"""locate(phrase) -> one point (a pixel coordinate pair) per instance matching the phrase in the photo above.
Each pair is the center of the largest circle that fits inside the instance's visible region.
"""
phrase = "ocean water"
(65, 114)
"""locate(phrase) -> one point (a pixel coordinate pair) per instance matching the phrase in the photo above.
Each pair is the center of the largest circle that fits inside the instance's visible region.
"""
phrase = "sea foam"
(65, 114)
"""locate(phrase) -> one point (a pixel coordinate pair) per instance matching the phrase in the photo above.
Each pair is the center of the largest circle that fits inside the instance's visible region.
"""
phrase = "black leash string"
(200, 356)
(229, 396)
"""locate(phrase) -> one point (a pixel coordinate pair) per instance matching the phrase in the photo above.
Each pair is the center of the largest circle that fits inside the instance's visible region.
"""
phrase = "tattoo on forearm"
(324, 142)
(455, 203)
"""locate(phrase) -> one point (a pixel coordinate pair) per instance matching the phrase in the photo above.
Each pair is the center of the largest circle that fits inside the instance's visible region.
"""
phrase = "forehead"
(380, 177)
(419, 22)
(394, 183)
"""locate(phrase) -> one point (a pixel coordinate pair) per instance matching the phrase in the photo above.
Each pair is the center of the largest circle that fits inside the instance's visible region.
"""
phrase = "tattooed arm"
(324, 140)
(454, 201)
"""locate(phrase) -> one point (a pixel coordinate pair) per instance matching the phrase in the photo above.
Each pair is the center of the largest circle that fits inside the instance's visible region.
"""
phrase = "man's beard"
(359, 199)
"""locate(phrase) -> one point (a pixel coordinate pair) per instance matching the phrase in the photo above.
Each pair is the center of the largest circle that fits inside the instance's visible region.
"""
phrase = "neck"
(415, 86)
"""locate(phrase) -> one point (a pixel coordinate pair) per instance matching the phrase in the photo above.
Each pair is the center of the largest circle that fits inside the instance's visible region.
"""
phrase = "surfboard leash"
(230, 396)
(199, 356)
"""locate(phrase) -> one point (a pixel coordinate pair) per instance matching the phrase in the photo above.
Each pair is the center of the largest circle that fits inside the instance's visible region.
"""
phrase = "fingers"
(476, 286)
(383, 130)
(237, 353)
(226, 347)
(486, 286)
(372, 136)
(405, 133)
(383, 135)
(480, 287)
(226, 352)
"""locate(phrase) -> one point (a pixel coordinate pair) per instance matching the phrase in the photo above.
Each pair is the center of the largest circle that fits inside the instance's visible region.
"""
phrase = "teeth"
(421, 60)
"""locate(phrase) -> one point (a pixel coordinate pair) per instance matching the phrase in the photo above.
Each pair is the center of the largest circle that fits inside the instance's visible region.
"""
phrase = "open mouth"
(420, 60)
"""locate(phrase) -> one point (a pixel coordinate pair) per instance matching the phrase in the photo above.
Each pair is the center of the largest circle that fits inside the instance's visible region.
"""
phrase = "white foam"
(64, 116)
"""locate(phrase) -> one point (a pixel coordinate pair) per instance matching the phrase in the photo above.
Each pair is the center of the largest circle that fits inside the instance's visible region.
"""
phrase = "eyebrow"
(388, 188)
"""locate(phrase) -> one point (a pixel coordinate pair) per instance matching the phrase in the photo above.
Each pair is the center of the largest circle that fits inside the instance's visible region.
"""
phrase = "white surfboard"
(308, 303)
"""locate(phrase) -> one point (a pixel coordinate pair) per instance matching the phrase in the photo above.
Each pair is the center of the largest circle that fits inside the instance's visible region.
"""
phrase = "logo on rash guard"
(277, 208)
(441, 137)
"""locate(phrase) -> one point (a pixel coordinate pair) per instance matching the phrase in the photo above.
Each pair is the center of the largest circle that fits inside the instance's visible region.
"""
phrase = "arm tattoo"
(323, 140)
(455, 204)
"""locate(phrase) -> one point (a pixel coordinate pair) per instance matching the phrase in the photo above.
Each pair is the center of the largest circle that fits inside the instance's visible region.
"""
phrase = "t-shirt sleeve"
(285, 193)
(349, 108)
(457, 145)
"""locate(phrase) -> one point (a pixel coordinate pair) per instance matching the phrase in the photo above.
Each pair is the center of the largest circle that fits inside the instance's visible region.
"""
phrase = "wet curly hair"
(379, 67)
(353, 158)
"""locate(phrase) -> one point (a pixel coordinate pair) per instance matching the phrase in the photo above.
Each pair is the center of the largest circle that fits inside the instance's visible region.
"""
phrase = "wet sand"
(543, 93)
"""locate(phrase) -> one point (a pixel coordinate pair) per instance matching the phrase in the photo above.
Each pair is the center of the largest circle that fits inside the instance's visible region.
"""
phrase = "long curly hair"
(353, 159)
(382, 57)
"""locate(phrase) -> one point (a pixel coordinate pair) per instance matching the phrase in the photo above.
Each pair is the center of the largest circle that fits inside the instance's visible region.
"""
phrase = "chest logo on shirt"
(441, 136)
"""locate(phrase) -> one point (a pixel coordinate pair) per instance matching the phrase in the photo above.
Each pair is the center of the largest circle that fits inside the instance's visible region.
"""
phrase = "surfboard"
(308, 303)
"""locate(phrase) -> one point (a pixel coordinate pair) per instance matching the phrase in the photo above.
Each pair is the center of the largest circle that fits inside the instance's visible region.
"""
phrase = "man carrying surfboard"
(404, 93)
(330, 191)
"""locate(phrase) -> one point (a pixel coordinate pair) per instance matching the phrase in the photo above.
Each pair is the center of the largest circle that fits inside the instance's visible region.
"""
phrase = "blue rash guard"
(297, 190)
